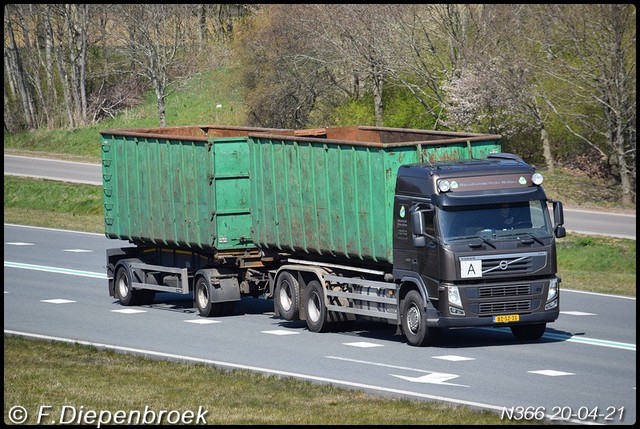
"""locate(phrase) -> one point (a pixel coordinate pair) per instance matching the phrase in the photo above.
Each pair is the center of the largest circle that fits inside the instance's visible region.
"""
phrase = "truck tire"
(315, 306)
(205, 307)
(287, 296)
(124, 292)
(414, 320)
(202, 298)
(528, 332)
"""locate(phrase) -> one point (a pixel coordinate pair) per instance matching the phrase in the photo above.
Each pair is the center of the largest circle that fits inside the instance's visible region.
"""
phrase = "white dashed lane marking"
(202, 321)
(57, 301)
(280, 332)
(453, 358)
(577, 313)
(129, 311)
(363, 344)
(551, 373)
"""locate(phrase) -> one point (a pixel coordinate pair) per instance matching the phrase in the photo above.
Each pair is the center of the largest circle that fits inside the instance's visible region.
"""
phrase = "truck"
(424, 230)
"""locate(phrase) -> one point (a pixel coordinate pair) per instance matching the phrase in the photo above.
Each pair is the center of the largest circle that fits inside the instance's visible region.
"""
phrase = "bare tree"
(503, 83)
(302, 47)
(429, 49)
(156, 39)
(355, 42)
(279, 68)
(48, 34)
(596, 61)
(15, 68)
(58, 35)
(77, 21)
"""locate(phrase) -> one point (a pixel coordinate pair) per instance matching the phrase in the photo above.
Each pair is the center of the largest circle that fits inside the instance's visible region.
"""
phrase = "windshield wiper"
(468, 237)
(517, 234)
(535, 238)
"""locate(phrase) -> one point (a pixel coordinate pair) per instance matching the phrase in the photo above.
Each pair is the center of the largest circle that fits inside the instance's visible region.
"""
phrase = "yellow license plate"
(507, 318)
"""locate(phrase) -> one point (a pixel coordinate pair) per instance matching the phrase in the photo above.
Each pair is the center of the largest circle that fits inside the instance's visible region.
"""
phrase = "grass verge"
(83, 378)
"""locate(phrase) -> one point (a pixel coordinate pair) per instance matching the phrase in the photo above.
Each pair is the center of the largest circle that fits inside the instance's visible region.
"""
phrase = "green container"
(330, 191)
(184, 187)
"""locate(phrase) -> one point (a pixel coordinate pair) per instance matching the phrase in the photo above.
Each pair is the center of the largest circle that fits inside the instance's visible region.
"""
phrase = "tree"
(355, 41)
(280, 69)
(16, 72)
(503, 83)
(430, 47)
(310, 55)
(596, 60)
(156, 39)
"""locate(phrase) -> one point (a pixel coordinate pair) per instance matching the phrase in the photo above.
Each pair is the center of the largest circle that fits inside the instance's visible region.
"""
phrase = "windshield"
(529, 217)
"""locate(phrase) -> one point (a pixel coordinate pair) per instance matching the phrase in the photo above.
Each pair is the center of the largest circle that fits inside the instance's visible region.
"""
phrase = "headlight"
(553, 289)
(537, 179)
(444, 186)
(453, 295)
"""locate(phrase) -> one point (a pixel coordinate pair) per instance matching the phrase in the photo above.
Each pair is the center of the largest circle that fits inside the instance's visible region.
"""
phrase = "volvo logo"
(503, 265)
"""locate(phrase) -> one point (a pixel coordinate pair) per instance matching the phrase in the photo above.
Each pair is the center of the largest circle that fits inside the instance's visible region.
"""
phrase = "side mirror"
(417, 223)
(558, 213)
(560, 231)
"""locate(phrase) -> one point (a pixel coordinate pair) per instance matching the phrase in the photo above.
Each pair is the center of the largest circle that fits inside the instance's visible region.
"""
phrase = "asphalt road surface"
(583, 370)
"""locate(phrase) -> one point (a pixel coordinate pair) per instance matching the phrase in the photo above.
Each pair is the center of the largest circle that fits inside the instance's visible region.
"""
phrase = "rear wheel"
(529, 332)
(414, 320)
(315, 306)
(124, 291)
(287, 296)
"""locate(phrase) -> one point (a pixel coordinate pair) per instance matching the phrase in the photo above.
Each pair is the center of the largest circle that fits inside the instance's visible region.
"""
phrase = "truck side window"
(429, 227)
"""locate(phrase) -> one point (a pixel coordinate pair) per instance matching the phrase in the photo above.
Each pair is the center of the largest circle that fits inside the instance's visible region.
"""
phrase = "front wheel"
(529, 332)
(316, 308)
(414, 320)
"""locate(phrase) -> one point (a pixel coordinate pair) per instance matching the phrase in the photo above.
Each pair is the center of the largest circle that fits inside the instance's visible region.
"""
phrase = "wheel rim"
(284, 297)
(123, 285)
(202, 295)
(413, 319)
(313, 307)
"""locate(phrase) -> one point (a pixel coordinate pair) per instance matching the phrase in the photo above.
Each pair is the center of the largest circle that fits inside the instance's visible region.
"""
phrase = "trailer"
(335, 224)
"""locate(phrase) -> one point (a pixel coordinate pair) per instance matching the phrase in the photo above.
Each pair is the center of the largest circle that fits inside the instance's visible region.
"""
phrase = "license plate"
(506, 318)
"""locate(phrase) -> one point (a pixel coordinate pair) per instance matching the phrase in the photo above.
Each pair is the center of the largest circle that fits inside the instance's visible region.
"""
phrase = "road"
(578, 221)
(55, 287)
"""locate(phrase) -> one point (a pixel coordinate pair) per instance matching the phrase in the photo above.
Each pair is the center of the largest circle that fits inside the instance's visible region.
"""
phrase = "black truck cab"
(477, 237)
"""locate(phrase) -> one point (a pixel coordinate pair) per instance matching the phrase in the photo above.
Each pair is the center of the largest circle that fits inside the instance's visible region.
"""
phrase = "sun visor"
(494, 196)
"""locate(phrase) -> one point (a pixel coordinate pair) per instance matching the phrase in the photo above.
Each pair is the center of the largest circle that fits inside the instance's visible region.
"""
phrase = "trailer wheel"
(202, 298)
(528, 332)
(287, 296)
(414, 320)
(124, 292)
(206, 308)
(316, 308)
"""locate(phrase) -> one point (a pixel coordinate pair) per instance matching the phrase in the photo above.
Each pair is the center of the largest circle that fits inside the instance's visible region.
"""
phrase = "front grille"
(501, 266)
(504, 307)
(506, 264)
(497, 291)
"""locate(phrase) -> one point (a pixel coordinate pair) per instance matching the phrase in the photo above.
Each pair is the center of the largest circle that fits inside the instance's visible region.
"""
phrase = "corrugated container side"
(329, 197)
(183, 192)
